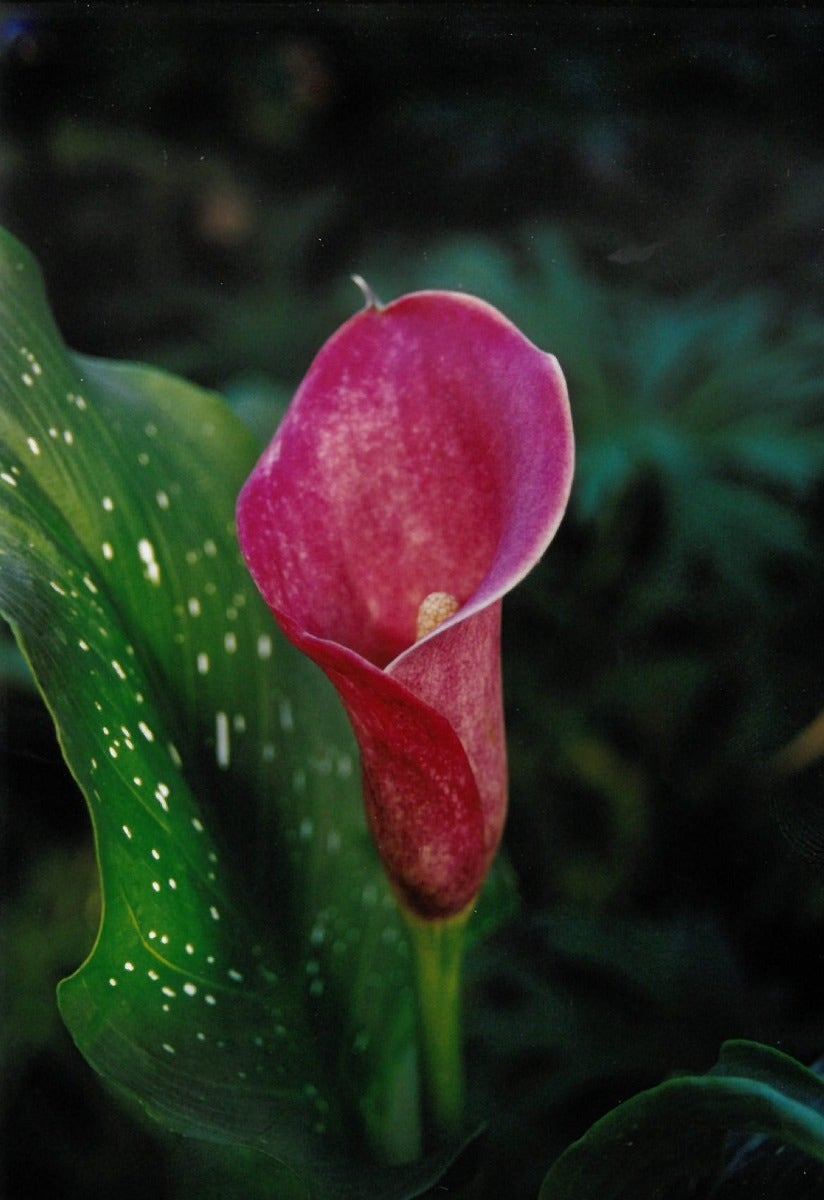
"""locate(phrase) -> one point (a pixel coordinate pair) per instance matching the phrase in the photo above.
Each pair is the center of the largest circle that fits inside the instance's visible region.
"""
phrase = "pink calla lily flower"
(421, 471)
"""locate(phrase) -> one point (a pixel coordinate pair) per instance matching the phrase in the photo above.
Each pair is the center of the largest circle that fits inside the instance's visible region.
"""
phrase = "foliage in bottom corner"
(251, 980)
(670, 1141)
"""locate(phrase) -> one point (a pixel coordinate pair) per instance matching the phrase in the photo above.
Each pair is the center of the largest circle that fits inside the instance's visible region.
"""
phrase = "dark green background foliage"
(640, 190)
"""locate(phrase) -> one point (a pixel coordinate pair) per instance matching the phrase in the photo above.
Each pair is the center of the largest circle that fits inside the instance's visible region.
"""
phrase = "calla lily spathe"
(421, 471)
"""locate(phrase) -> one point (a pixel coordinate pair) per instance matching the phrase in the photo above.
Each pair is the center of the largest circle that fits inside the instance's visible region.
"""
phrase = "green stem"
(438, 948)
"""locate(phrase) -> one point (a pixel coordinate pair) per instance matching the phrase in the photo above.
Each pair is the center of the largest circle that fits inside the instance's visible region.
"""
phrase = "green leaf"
(673, 1135)
(250, 983)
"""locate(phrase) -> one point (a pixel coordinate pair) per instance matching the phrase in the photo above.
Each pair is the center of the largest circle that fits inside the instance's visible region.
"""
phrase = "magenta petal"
(429, 449)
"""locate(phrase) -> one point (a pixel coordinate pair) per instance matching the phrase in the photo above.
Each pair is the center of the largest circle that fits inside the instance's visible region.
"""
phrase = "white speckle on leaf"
(213, 912)
(127, 832)
(194, 606)
(147, 556)
(108, 551)
(146, 731)
(33, 445)
(203, 663)
(222, 746)
(108, 503)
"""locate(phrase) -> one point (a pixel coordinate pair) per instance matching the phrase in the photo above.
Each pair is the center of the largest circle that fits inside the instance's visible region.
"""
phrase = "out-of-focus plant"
(716, 401)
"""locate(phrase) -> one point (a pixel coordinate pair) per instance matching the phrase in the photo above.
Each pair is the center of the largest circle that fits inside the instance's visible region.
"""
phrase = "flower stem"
(438, 948)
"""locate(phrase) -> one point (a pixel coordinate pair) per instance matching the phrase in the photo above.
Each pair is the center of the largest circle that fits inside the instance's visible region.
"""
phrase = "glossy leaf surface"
(250, 979)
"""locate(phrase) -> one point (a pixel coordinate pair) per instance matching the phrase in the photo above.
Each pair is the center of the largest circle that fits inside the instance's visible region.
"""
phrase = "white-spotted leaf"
(250, 982)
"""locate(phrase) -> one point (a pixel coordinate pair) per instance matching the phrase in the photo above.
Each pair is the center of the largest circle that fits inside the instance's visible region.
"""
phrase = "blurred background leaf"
(669, 1141)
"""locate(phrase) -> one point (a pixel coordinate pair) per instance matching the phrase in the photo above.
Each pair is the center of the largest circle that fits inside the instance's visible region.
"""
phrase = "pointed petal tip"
(371, 298)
